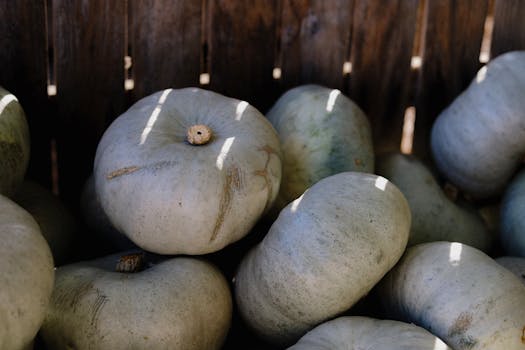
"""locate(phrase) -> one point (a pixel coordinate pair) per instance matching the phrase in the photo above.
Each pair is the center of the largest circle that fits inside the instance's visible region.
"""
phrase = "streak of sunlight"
(439, 345)
(455, 253)
(296, 203)
(224, 152)
(241, 107)
(153, 117)
(381, 183)
(7, 99)
(331, 100)
(482, 73)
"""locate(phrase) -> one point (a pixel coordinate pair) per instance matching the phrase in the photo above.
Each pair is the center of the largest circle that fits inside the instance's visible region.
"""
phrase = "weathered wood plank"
(509, 26)
(382, 40)
(241, 41)
(315, 40)
(165, 39)
(89, 43)
(23, 72)
(452, 38)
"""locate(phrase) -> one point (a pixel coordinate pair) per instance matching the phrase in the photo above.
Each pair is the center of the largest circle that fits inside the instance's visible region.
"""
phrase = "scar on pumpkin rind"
(264, 172)
(122, 171)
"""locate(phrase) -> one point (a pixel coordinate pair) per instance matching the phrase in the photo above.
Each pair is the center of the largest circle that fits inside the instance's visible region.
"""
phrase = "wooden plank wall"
(80, 47)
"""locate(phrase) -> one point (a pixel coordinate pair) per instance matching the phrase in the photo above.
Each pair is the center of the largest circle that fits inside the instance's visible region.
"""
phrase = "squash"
(26, 276)
(514, 264)
(324, 252)
(322, 132)
(56, 221)
(478, 141)
(434, 216)
(134, 300)
(512, 217)
(187, 171)
(458, 293)
(357, 332)
(14, 143)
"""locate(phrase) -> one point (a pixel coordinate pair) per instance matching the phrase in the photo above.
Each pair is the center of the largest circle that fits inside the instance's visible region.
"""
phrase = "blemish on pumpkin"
(358, 162)
(523, 335)
(100, 301)
(122, 171)
(131, 169)
(460, 327)
(233, 182)
(264, 173)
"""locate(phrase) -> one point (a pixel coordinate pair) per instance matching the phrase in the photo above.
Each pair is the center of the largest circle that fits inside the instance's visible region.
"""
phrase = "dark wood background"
(87, 49)
(80, 47)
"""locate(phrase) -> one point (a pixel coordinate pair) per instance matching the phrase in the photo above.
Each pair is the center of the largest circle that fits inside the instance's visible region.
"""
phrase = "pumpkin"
(514, 264)
(134, 300)
(324, 252)
(434, 216)
(26, 276)
(14, 143)
(187, 171)
(478, 141)
(357, 332)
(56, 221)
(512, 217)
(458, 293)
(322, 132)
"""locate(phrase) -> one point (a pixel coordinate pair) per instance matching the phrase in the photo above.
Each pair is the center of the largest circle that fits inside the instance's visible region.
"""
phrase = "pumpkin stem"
(133, 262)
(199, 134)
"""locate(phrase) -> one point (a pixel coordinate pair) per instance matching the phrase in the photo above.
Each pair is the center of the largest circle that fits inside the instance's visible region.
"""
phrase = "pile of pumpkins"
(186, 173)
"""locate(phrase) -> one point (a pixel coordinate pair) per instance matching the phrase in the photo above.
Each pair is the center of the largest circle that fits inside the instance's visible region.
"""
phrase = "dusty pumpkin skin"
(325, 251)
(172, 193)
(174, 303)
(26, 276)
(14, 143)
(322, 133)
(478, 141)
(458, 293)
(434, 216)
(512, 216)
(356, 333)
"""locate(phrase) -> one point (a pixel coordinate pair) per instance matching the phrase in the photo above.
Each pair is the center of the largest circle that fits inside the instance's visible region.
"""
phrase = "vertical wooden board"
(23, 72)
(89, 43)
(315, 37)
(381, 49)
(165, 38)
(452, 37)
(509, 26)
(241, 49)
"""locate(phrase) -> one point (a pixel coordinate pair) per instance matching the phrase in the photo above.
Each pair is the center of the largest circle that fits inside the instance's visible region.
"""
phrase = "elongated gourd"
(458, 293)
(357, 332)
(322, 133)
(325, 251)
(478, 141)
(434, 216)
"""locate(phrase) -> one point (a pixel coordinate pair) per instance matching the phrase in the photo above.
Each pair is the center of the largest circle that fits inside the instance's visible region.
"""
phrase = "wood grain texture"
(381, 49)
(23, 72)
(509, 26)
(241, 41)
(452, 36)
(89, 44)
(314, 41)
(165, 39)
